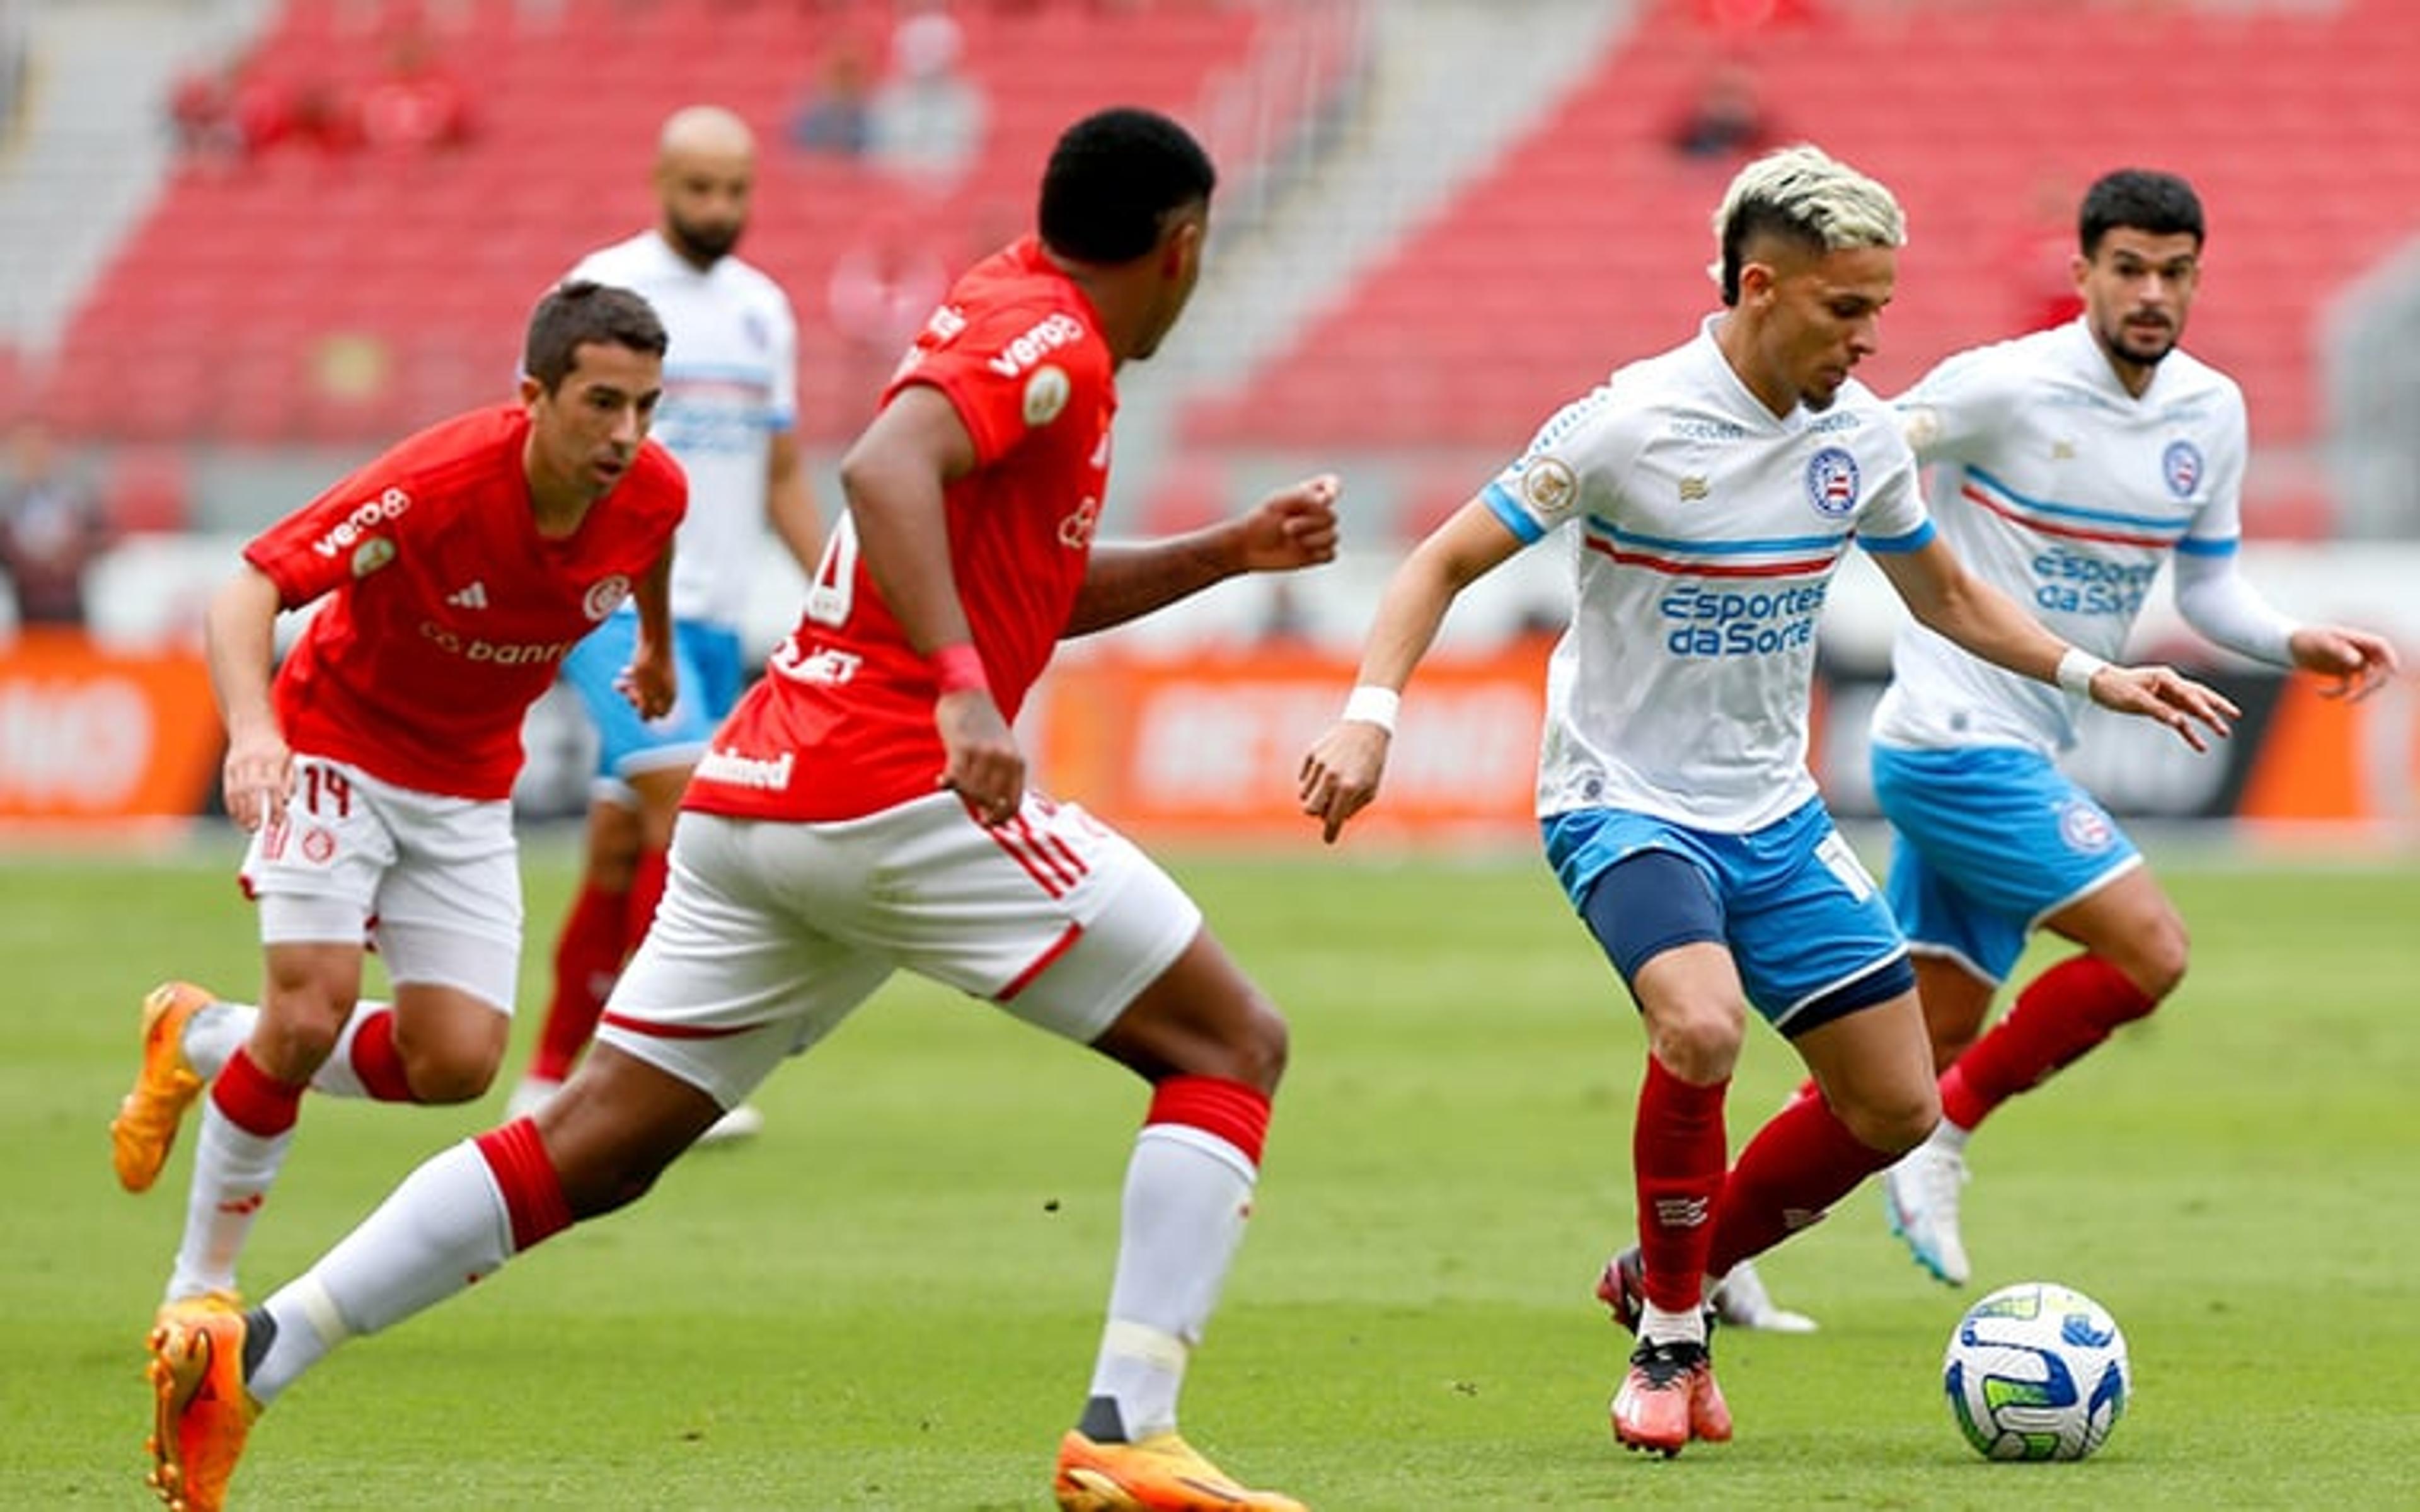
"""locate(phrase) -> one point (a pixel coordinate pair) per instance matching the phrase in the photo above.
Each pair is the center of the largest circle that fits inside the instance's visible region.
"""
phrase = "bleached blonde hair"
(1805, 195)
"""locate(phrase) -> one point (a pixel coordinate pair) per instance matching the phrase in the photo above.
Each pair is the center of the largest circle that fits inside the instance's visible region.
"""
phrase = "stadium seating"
(1587, 243)
(341, 298)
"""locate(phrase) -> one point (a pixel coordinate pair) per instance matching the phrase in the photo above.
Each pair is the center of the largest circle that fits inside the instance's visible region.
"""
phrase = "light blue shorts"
(1986, 842)
(707, 659)
(1803, 921)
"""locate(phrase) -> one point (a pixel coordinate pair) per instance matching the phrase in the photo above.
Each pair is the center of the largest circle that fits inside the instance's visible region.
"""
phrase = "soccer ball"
(2036, 1371)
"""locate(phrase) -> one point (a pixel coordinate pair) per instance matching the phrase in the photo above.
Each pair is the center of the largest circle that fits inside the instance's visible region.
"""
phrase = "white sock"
(233, 1170)
(1949, 1138)
(335, 1076)
(1187, 1193)
(444, 1227)
(212, 1034)
(1657, 1326)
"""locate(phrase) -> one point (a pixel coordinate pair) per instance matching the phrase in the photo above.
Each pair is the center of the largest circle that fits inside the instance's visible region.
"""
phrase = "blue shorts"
(1986, 841)
(1804, 922)
(705, 658)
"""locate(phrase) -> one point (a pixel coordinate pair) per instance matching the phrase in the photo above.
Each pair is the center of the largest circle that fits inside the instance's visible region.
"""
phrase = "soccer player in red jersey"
(864, 808)
(375, 769)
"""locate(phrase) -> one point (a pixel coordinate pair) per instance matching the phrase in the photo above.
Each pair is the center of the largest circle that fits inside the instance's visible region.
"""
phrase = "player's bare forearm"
(1291, 528)
(240, 642)
(1987, 623)
(1979, 618)
(653, 596)
(1341, 773)
(790, 502)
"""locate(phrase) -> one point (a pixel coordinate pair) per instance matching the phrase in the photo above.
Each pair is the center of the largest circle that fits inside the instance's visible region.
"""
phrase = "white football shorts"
(771, 933)
(433, 882)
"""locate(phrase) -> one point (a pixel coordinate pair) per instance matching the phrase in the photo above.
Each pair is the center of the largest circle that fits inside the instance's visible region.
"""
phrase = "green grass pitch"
(891, 1299)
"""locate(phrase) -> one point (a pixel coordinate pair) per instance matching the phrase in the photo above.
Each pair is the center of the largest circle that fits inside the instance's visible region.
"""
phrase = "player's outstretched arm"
(1339, 774)
(1953, 602)
(1291, 528)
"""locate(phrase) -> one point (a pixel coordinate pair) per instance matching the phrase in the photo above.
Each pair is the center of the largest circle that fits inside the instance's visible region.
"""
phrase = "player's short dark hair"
(582, 313)
(1114, 180)
(2140, 199)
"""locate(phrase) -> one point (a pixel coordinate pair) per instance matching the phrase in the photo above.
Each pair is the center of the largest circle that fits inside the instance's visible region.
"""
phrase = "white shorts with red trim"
(770, 934)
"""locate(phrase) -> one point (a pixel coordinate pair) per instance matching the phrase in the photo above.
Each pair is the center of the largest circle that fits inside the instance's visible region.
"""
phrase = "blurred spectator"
(1726, 118)
(837, 116)
(227, 113)
(416, 103)
(50, 527)
(882, 289)
(928, 119)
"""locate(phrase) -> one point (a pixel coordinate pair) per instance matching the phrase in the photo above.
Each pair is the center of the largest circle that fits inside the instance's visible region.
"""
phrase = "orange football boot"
(144, 1129)
(1158, 1473)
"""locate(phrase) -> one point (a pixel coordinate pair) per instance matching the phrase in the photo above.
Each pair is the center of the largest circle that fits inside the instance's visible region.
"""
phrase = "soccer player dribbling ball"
(879, 751)
(1715, 489)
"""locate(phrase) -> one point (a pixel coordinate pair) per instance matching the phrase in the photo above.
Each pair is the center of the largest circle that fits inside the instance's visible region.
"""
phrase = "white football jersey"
(2067, 493)
(1709, 532)
(731, 381)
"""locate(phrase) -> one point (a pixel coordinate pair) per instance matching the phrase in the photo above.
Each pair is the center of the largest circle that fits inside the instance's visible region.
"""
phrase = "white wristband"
(2075, 671)
(1371, 704)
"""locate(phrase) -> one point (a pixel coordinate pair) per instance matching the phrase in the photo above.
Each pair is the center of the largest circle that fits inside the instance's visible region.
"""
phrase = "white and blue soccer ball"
(2037, 1371)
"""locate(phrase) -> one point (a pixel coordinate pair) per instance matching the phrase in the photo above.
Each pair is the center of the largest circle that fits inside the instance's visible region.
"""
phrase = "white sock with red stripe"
(247, 1125)
(1188, 1190)
(452, 1221)
(213, 1034)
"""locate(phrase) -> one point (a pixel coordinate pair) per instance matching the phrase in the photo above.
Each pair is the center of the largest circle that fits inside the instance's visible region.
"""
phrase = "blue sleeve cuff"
(2194, 546)
(1515, 518)
(1915, 540)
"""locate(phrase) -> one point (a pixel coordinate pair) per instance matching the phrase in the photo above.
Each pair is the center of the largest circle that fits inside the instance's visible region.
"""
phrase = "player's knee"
(1894, 1120)
(1698, 1042)
(2156, 965)
(1260, 1047)
(441, 1079)
(291, 1044)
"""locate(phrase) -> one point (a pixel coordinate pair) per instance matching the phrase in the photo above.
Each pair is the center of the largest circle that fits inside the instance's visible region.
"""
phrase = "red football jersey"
(447, 614)
(841, 724)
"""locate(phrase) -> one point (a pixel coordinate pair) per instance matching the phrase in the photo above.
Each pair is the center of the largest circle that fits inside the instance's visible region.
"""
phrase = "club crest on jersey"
(1075, 531)
(2181, 464)
(605, 595)
(2084, 827)
(1832, 482)
(1046, 394)
(371, 555)
(1549, 485)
